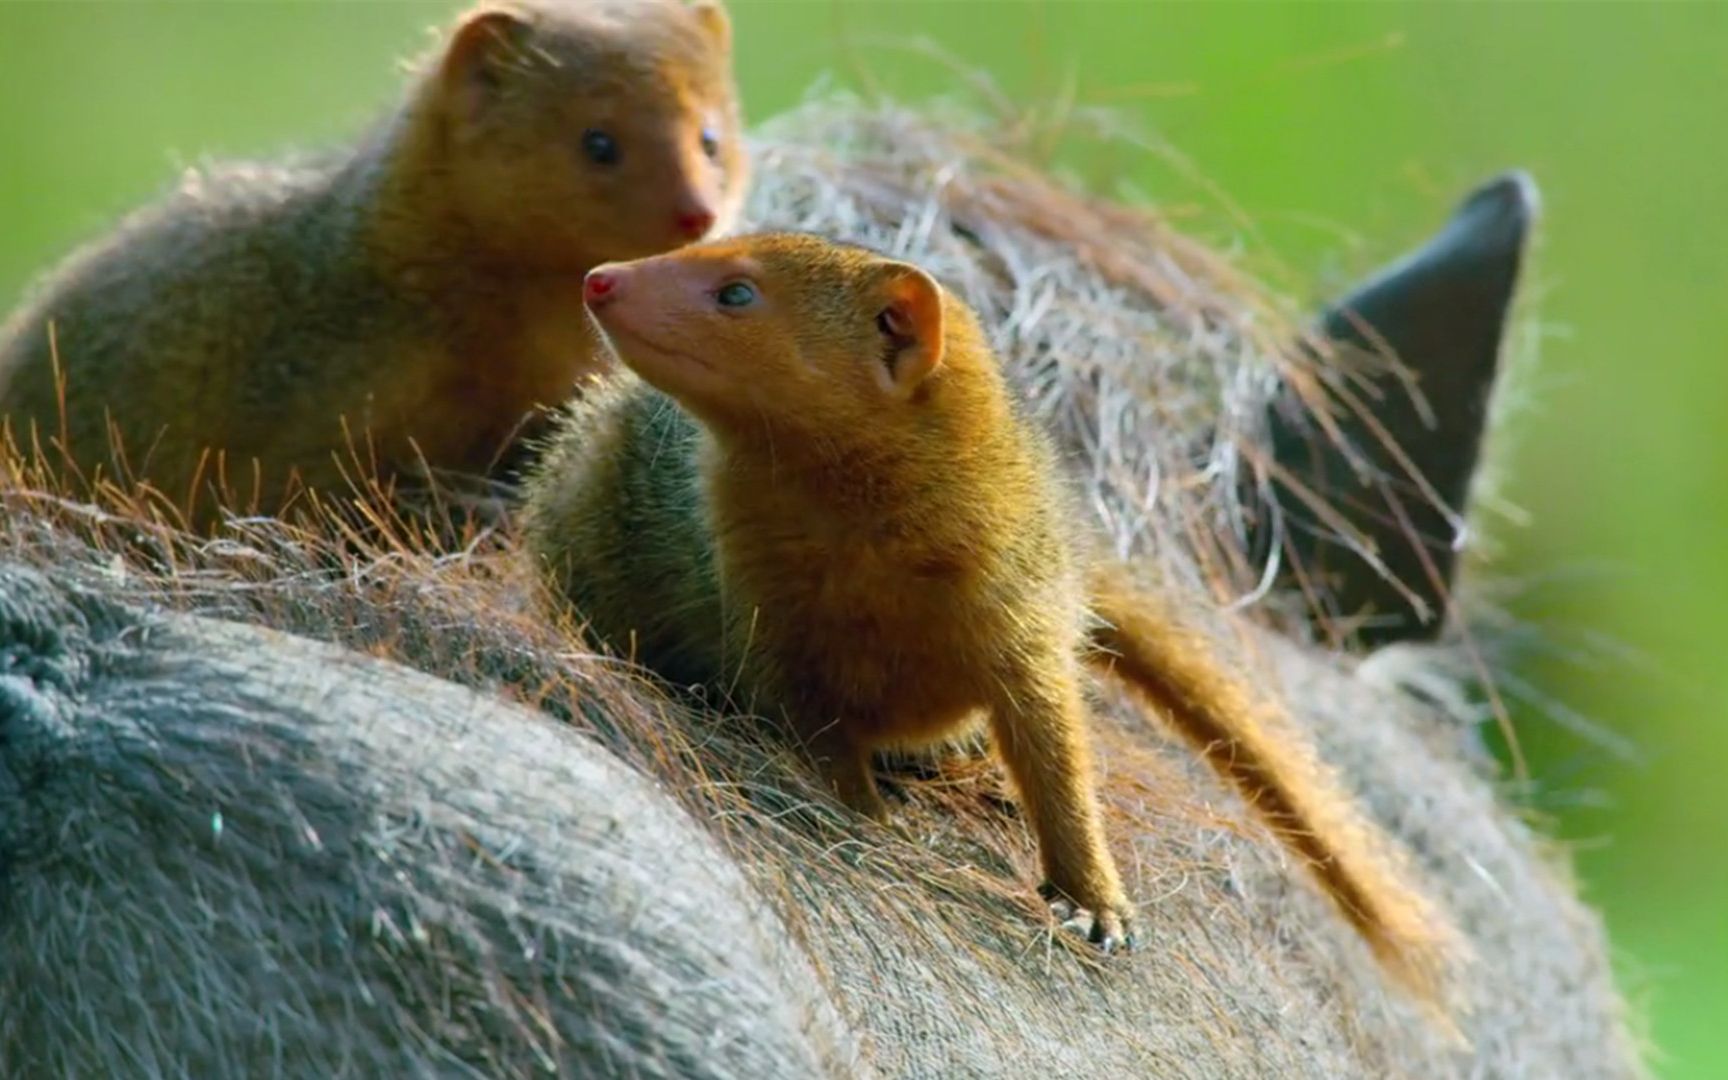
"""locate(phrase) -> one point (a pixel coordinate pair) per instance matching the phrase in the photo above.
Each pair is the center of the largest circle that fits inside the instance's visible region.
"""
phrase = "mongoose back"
(812, 483)
(401, 303)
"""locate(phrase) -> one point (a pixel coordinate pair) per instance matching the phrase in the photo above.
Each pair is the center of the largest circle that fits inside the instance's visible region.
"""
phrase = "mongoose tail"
(1174, 667)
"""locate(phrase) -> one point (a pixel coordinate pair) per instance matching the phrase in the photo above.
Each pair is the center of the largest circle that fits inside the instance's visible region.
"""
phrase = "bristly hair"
(1150, 358)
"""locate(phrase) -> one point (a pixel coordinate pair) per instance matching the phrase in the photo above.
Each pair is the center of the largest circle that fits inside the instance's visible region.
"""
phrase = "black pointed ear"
(1423, 339)
(715, 21)
(911, 323)
(483, 48)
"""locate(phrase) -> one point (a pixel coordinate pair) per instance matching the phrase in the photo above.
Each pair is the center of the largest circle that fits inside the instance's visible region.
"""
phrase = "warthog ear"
(1412, 357)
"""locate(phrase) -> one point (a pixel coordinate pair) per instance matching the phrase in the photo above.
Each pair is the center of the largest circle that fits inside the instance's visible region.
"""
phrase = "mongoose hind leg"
(1040, 733)
(1108, 928)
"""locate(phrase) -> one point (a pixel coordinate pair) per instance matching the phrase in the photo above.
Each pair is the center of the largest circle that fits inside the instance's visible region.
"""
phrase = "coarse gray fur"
(232, 851)
(226, 851)
(417, 879)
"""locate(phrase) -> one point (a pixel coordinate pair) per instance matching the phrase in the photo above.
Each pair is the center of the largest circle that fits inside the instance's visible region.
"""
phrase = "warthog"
(278, 804)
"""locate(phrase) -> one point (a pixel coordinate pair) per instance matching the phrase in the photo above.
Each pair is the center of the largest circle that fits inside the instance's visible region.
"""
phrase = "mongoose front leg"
(1039, 725)
(845, 767)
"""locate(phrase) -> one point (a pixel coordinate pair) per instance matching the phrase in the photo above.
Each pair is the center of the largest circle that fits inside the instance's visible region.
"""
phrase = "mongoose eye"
(601, 148)
(737, 294)
(710, 143)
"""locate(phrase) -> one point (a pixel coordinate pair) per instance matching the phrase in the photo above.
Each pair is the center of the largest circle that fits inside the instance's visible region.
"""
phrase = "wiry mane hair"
(329, 796)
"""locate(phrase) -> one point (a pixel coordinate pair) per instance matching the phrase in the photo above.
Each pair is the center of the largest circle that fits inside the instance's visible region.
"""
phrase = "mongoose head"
(786, 330)
(580, 132)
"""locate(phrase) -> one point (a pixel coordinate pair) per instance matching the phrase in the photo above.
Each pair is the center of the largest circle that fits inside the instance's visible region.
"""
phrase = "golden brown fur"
(892, 554)
(1176, 669)
(404, 303)
(517, 915)
(860, 590)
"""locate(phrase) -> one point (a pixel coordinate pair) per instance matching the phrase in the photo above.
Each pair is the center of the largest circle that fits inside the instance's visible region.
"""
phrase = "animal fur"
(428, 869)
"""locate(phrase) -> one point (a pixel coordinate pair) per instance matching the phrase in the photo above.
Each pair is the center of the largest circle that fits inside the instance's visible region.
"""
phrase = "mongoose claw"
(1106, 927)
(1112, 932)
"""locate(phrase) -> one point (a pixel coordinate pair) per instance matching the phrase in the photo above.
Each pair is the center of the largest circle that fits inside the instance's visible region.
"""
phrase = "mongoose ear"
(911, 324)
(1398, 480)
(482, 49)
(715, 21)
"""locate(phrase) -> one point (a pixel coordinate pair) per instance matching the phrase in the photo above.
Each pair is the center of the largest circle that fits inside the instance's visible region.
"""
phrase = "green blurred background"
(1344, 132)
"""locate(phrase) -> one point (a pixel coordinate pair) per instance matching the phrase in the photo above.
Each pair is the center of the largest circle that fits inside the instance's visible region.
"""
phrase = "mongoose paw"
(894, 793)
(868, 803)
(1108, 926)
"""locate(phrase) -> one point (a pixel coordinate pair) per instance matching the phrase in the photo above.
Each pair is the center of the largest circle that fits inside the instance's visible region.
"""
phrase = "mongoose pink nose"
(696, 223)
(599, 286)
